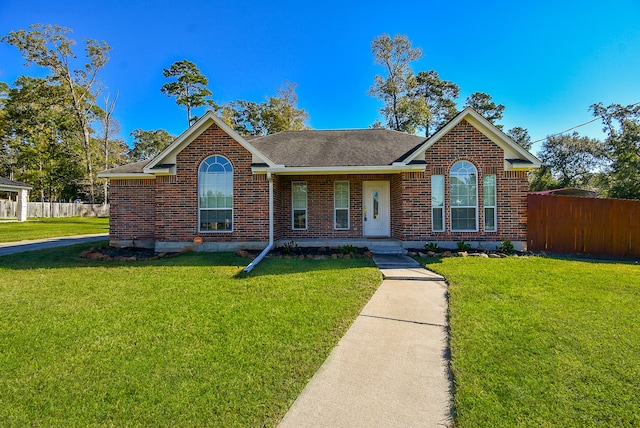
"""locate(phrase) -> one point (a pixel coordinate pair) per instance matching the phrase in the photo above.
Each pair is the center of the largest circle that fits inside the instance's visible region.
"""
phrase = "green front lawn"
(41, 228)
(544, 342)
(188, 341)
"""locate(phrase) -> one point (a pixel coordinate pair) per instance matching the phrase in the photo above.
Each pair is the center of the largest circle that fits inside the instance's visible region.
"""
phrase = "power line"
(567, 130)
(577, 126)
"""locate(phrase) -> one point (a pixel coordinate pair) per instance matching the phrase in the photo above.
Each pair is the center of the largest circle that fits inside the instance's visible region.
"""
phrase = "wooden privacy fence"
(574, 225)
(8, 209)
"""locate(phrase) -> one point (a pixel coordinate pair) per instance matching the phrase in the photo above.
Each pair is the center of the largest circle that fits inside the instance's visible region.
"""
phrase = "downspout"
(270, 246)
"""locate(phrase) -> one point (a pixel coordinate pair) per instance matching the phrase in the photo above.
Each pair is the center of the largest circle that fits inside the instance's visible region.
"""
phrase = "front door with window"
(375, 208)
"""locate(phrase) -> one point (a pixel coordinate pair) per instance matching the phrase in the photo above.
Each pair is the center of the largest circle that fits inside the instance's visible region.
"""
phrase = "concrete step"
(394, 261)
(390, 250)
(411, 274)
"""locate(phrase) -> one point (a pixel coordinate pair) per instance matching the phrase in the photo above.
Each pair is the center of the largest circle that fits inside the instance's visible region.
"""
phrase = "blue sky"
(546, 61)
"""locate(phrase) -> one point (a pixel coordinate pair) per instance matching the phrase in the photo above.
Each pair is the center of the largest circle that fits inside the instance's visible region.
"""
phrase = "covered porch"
(337, 209)
(22, 189)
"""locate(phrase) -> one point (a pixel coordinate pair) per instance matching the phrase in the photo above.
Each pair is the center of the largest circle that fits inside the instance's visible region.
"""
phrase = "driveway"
(41, 244)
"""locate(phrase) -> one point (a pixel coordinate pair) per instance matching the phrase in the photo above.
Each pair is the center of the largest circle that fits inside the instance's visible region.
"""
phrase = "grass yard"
(188, 341)
(544, 342)
(41, 228)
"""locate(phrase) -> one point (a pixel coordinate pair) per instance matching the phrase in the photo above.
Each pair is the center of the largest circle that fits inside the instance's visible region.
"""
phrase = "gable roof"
(330, 151)
(168, 155)
(516, 157)
(7, 185)
(165, 162)
(335, 148)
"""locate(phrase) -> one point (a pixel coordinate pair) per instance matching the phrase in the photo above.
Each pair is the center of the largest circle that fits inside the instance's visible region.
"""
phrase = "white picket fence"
(8, 209)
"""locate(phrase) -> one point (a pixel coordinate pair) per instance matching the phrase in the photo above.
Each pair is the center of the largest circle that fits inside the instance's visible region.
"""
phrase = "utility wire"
(566, 130)
(577, 126)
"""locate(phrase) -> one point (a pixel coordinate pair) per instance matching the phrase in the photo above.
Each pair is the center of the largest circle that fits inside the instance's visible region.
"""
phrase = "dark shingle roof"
(362, 147)
(136, 167)
(11, 183)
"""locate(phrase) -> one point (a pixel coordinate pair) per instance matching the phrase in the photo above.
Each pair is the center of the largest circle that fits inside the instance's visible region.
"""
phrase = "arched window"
(215, 194)
(464, 197)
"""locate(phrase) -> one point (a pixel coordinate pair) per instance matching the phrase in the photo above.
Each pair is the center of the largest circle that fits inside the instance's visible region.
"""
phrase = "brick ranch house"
(366, 187)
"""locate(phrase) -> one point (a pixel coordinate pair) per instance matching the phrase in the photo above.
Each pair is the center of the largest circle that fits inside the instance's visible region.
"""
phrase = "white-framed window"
(489, 201)
(215, 195)
(464, 197)
(437, 203)
(341, 205)
(299, 204)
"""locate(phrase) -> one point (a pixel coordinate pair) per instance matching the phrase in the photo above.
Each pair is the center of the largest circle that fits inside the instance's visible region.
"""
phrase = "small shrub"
(432, 246)
(506, 247)
(463, 246)
(348, 249)
(289, 248)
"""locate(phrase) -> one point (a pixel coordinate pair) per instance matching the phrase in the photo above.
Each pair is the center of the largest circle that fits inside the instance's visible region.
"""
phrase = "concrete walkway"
(41, 244)
(391, 367)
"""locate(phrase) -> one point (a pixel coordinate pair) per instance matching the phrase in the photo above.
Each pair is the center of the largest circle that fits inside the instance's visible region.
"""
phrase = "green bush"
(432, 246)
(463, 246)
(506, 247)
(289, 248)
(348, 249)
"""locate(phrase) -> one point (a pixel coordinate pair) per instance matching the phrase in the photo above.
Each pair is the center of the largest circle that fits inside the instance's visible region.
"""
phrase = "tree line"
(423, 102)
(57, 132)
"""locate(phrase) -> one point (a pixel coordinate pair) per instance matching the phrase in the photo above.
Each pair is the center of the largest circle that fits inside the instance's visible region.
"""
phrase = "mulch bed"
(317, 253)
(131, 254)
(124, 254)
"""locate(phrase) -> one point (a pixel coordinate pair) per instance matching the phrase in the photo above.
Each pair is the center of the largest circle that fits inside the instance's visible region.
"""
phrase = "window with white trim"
(489, 201)
(437, 203)
(464, 197)
(341, 205)
(299, 204)
(215, 194)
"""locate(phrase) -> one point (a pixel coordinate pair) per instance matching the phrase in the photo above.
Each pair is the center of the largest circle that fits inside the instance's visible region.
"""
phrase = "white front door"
(375, 208)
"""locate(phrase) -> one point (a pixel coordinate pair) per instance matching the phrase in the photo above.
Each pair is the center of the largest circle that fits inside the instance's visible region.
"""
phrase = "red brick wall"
(279, 225)
(464, 142)
(132, 210)
(166, 209)
(177, 202)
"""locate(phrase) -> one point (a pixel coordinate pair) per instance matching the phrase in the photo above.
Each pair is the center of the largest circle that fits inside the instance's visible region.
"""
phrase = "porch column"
(23, 197)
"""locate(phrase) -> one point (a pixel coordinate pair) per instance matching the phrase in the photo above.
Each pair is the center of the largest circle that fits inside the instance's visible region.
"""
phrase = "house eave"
(520, 165)
(335, 170)
(126, 176)
(14, 189)
(161, 170)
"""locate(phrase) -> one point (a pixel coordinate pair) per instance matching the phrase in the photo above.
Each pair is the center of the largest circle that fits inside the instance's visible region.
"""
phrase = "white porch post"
(23, 197)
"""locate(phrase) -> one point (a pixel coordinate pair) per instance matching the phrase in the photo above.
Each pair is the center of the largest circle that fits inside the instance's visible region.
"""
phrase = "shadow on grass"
(585, 258)
(69, 257)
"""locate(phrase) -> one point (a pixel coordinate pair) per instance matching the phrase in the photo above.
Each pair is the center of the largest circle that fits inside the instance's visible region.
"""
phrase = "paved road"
(41, 244)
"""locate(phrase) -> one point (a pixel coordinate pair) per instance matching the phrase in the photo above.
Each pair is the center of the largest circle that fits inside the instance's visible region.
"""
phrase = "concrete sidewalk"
(42, 244)
(391, 367)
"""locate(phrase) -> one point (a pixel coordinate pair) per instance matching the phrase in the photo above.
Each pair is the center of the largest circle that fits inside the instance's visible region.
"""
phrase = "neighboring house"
(22, 189)
(328, 188)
